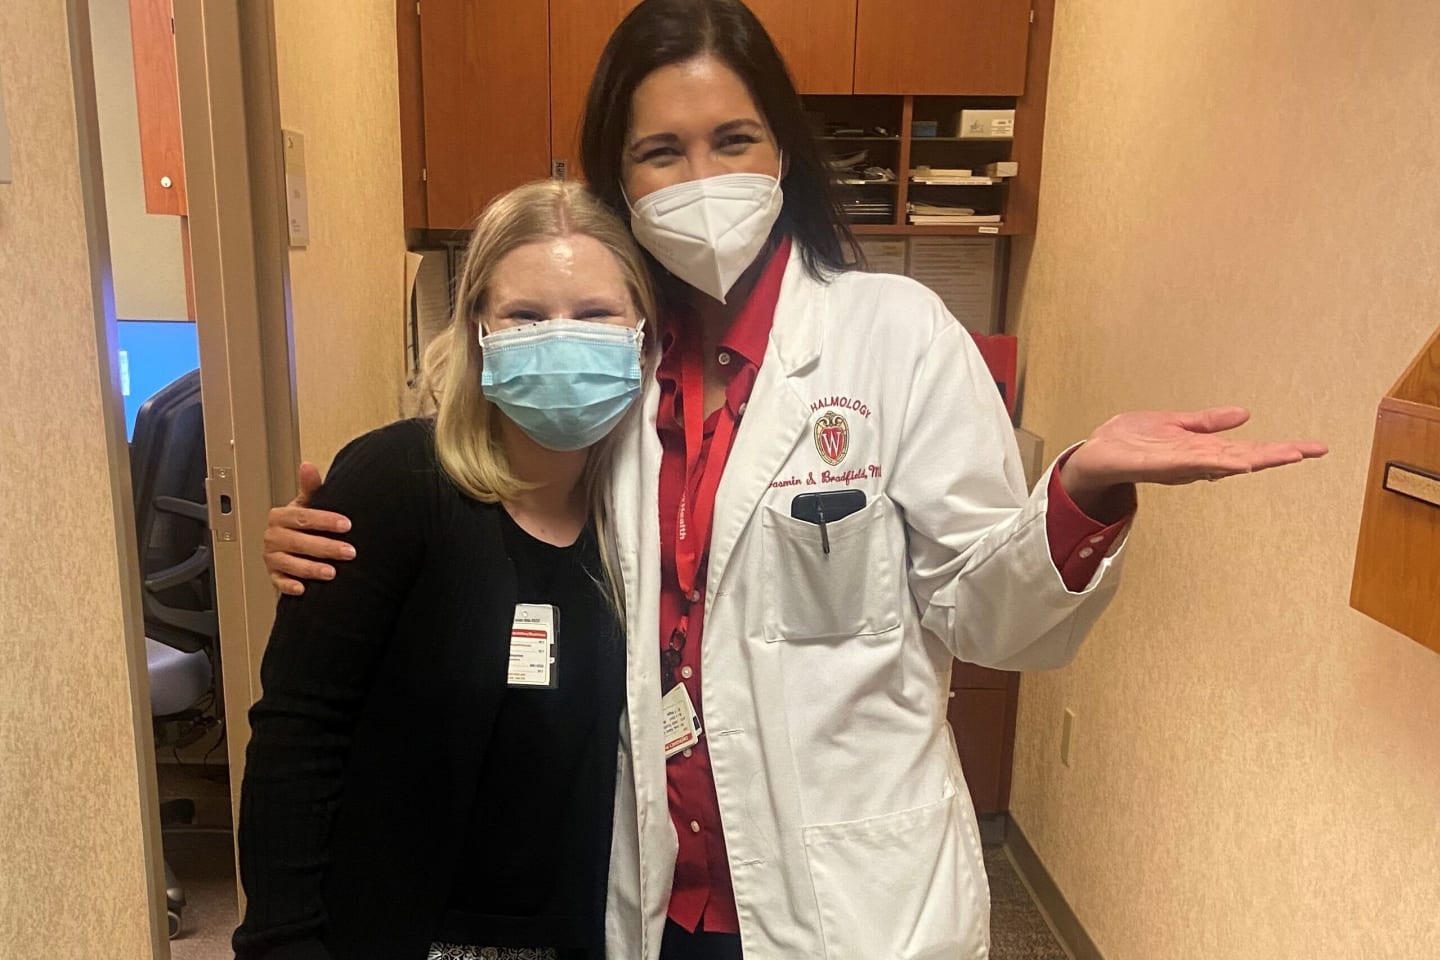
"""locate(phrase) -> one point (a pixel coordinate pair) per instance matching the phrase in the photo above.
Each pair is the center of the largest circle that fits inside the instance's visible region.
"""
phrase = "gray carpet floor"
(1017, 929)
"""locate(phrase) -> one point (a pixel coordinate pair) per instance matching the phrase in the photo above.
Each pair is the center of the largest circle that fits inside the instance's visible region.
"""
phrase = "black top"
(396, 791)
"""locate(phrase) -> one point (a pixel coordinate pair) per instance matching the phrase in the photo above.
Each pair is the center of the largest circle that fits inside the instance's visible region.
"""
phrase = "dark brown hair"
(658, 33)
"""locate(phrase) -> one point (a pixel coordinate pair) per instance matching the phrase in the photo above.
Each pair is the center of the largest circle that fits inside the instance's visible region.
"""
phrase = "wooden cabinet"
(579, 30)
(817, 40)
(157, 101)
(971, 47)
(492, 92)
(983, 705)
(485, 70)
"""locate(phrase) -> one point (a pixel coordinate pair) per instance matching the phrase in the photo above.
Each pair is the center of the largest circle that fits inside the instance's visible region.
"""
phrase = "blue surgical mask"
(566, 383)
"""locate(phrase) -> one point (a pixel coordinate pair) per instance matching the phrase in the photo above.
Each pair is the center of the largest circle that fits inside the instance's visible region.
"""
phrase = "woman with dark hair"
(823, 508)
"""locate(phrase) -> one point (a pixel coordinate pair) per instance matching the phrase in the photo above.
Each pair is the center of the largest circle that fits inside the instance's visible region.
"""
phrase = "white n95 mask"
(708, 232)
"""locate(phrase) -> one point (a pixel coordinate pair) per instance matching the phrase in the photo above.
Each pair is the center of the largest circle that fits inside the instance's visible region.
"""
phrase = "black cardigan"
(413, 639)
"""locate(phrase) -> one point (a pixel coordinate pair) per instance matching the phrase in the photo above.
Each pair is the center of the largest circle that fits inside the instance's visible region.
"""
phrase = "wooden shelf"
(949, 230)
(914, 140)
(867, 183)
(859, 139)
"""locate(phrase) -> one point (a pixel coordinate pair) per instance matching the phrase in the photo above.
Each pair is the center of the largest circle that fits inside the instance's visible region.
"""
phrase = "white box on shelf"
(1002, 170)
(984, 124)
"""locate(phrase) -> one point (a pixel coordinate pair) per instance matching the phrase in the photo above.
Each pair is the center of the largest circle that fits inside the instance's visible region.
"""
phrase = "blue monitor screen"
(153, 354)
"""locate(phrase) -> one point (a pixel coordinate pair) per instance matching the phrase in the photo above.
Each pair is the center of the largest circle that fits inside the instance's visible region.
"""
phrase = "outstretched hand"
(1172, 449)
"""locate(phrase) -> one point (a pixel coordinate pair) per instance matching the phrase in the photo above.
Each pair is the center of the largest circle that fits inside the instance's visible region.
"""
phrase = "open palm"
(1175, 448)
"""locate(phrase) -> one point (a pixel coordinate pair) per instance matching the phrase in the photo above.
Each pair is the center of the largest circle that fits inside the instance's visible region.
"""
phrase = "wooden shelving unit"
(1015, 200)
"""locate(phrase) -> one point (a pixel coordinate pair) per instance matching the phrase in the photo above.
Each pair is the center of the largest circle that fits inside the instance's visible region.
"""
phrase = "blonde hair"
(466, 442)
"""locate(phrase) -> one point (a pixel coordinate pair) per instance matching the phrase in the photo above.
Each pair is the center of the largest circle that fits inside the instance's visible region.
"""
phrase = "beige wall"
(146, 258)
(339, 81)
(1240, 205)
(72, 848)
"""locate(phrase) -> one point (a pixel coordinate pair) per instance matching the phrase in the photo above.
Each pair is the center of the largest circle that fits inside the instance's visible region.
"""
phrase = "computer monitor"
(153, 353)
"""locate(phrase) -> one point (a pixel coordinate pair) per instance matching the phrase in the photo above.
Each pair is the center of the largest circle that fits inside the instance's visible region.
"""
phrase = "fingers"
(291, 588)
(309, 482)
(302, 518)
(278, 540)
(1213, 420)
(1240, 457)
(293, 567)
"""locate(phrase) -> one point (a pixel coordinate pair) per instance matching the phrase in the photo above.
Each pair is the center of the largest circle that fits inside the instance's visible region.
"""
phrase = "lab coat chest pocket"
(852, 591)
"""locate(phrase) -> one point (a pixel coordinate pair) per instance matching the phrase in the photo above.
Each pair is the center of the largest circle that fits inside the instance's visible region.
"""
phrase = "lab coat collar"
(796, 334)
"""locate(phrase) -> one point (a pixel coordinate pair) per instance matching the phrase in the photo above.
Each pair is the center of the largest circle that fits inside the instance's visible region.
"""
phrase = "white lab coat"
(847, 820)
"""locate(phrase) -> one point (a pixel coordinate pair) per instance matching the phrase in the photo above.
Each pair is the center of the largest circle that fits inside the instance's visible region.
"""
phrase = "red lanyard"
(697, 501)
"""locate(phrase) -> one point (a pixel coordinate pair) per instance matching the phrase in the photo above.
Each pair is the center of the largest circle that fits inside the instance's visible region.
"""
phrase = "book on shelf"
(931, 221)
(956, 181)
(949, 177)
(941, 214)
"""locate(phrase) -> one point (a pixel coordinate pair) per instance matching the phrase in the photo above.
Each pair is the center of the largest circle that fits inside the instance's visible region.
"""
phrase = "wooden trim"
(1409, 408)
(412, 113)
(902, 192)
(1022, 194)
(1053, 906)
(1421, 380)
(157, 99)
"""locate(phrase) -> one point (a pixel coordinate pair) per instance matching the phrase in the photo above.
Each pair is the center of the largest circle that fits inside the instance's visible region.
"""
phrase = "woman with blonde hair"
(432, 765)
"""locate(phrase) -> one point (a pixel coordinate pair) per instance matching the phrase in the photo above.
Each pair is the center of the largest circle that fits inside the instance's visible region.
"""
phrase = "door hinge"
(1032, 14)
(424, 175)
(220, 497)
(417, 8)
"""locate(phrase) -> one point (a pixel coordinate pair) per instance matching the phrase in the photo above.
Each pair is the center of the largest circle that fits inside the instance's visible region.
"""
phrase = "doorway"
(194, 220)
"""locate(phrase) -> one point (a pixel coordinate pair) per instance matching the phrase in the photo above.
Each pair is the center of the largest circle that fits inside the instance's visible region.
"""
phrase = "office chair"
(172, 528)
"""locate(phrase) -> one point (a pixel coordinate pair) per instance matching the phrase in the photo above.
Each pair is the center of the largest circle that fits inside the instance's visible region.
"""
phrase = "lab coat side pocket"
(905, 886)
(852, 591)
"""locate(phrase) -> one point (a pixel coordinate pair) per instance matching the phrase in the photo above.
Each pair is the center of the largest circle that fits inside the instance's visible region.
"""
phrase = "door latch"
(220, 497)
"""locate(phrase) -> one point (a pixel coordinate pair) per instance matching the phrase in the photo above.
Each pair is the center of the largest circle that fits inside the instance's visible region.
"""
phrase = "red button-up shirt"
(702, 896)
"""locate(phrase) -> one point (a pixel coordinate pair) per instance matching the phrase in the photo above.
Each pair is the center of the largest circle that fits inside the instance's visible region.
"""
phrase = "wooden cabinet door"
(486, 70)
(157, 97)
(978, 718)
(579, 30)
(817, 40)
(975, 47)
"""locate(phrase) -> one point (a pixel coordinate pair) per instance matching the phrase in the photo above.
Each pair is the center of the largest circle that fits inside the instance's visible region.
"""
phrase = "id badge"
(682, 723)
(532, 647)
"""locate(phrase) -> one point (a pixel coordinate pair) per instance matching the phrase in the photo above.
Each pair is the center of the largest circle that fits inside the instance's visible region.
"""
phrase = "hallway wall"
(1240, 205)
